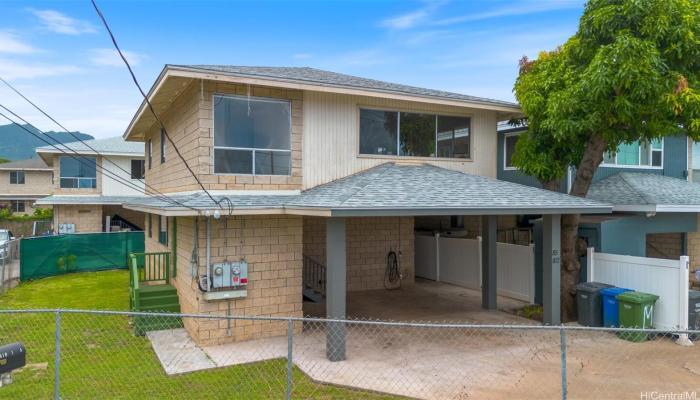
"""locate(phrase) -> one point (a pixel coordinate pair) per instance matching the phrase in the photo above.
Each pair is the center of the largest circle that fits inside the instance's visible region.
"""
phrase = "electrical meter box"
(229, 275)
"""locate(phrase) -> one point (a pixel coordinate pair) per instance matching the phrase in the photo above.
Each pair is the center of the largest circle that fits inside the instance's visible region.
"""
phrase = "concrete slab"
(177, 352)
(247, 352)
(426, 300)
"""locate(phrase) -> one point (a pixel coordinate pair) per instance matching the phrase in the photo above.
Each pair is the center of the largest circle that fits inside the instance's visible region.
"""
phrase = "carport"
(393, 190)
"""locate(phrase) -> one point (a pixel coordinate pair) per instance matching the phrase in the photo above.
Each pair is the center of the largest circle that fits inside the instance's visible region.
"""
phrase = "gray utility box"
(694, 310)
(589, 303)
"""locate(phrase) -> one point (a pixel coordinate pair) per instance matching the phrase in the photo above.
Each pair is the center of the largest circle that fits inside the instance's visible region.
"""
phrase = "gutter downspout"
(209, 274)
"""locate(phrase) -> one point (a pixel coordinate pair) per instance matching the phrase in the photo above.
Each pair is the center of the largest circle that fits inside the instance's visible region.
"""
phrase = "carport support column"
(336, 287)
(489, 287)
(551, 269)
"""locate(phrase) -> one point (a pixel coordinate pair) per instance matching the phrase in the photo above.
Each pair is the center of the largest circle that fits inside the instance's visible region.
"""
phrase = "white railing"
(667, 279)
(458, 261)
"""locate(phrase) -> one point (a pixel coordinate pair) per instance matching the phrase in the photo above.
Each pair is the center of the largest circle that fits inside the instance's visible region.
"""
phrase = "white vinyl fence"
(667, 279)
(458, 261)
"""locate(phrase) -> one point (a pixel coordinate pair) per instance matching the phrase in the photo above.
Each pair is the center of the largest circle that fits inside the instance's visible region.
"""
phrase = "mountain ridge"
(18, 144)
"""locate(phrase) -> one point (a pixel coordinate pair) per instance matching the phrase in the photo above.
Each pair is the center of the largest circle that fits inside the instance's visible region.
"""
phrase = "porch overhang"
(631, 192)
(383, 191)
(85, 200)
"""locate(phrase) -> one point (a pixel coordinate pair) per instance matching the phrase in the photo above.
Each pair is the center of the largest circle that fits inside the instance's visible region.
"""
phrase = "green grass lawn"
(101, 357)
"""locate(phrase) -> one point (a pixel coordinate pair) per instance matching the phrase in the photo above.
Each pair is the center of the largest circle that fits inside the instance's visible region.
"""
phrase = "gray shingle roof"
(86, 199)
(29, 163)
(113, 145)
(391, 189)
(317, 76)
(633, 191)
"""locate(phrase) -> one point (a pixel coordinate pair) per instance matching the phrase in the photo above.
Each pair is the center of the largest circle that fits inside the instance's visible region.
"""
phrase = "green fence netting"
(41, 257)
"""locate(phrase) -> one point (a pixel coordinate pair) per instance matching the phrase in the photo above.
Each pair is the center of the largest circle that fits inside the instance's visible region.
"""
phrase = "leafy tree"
(631, 72)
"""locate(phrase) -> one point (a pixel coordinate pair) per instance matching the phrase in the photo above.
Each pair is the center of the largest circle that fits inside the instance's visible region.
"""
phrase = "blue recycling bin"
(611, 314)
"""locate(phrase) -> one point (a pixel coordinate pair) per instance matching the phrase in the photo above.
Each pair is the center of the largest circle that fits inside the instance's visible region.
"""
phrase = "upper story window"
(162, 145)
(637, 154)
(137, 169)
(252, 136)
(17, 177)
(79, 172)
(398, 133)
(509, 142)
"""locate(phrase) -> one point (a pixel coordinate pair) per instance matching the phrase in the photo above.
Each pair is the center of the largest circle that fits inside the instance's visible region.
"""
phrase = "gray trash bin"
(589, 303)
(694, 312)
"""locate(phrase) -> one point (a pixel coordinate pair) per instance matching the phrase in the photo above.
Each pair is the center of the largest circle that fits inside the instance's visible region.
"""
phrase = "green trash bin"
(636, 311)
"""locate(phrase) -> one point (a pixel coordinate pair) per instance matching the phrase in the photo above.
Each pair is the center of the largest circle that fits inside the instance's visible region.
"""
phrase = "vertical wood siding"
(331, 137)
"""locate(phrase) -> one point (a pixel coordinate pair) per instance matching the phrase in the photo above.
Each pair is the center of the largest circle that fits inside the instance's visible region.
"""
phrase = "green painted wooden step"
(156, 298)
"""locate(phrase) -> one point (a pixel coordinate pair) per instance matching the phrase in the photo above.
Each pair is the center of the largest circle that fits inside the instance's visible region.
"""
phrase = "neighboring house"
(23, 182)
(324, 174)
(84, 197)
(655, 204)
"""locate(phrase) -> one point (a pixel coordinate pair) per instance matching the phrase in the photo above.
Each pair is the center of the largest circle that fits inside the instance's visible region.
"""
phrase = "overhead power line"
(147, 186)
(148, 102)
(81, 159)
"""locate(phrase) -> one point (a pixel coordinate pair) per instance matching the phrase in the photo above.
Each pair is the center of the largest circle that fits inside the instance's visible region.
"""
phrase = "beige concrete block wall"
(368, 242)
(87, 218)
(35, 182)
(272, 245)
(73, 191)
(189, 121)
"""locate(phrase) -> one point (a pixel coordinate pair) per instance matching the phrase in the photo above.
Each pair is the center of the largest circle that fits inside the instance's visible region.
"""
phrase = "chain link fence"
(9, 264)
(73, 354)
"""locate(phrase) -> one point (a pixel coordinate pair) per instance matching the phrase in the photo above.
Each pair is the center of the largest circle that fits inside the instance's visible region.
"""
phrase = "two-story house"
(92, 180)
(23, 182)
(308, 170)
(655, 204)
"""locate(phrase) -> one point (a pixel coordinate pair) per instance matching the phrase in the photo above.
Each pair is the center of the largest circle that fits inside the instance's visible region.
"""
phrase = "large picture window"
(414, 134)
(252, 136)
(78, 172)
(637, 154)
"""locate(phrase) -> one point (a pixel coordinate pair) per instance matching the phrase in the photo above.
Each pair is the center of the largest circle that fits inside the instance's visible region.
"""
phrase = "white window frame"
(76, 178)
(254, 150)
(505, 159)
(359, 154)
(651, 151)
(17, 174)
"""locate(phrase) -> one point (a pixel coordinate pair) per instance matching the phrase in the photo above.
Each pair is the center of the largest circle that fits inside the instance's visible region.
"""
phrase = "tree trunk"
(570, 265)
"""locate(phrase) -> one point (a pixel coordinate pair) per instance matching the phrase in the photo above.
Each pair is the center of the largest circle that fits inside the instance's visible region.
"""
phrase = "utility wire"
(76, 137)
(148, 102)
(82, 160)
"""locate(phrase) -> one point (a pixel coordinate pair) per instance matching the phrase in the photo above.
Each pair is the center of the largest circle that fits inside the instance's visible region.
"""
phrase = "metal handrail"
(314, 275)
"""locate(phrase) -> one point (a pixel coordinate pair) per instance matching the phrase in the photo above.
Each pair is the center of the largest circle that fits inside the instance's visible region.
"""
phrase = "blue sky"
(61, 57)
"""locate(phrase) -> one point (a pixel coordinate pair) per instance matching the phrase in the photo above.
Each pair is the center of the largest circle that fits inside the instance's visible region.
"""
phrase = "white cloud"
(9, 43)
(56, 21)
(110, 58)
(529, 7)
(405, 21)
(13, 69)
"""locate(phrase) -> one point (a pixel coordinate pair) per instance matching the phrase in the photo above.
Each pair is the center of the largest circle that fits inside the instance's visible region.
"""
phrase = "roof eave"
(505, 110)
